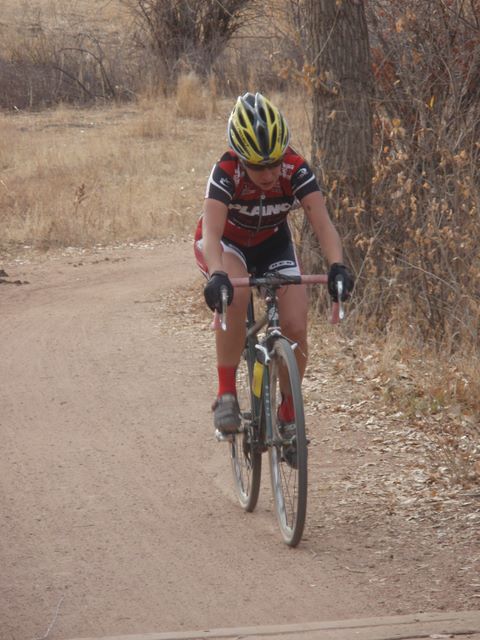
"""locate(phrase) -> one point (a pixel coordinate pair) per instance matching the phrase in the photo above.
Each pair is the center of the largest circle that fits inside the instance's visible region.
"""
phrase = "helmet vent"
(252, 142)
(262, 135)
(274, 135)
(242, 120)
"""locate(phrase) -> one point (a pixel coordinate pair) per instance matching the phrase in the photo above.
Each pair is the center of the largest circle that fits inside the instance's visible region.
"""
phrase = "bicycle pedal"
(223, 437)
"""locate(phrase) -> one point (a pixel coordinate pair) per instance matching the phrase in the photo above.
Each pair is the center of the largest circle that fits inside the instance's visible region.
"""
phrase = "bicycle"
(268, 370)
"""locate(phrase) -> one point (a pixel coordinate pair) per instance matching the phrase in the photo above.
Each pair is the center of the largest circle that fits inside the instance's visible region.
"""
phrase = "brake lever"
(341, 308)
(223, 315)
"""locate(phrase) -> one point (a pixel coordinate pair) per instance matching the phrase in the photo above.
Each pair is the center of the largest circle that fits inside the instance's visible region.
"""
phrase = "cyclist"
(244, 228)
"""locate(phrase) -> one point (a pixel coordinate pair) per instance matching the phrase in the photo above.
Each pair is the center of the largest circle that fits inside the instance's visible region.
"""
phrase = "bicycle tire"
(288, 455)
(246, 457)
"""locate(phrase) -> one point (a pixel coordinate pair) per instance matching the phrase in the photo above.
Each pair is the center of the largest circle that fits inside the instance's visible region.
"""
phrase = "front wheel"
(288, 450)
(245, 448)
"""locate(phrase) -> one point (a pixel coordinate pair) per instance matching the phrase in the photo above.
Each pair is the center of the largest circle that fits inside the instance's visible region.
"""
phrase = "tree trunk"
(341, 82)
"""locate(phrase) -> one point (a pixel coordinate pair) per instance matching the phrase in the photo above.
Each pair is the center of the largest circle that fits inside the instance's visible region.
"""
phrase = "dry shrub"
(273, 38)
(51, 54)
(63, 51)
(186, 34)
(415, 246)
(213, 94)
(420, 238)
(154, 120)
(192, 98)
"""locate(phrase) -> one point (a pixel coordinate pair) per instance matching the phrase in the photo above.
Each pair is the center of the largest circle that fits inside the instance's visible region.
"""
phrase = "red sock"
(226, 380)
(286, 411)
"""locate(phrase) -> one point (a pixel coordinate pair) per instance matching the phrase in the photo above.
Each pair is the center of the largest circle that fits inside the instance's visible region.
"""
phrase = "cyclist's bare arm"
(316, 211)
(214, 218)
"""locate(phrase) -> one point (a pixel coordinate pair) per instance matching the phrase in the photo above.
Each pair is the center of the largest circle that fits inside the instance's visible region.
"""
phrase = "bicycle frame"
(260, 351)
(269, 284)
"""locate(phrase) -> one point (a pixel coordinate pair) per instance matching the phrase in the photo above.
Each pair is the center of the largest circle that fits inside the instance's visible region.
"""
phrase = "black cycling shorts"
(276, 253)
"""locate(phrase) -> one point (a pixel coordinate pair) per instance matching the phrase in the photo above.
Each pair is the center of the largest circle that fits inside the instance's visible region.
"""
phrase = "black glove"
(213, 290)
(339, 272)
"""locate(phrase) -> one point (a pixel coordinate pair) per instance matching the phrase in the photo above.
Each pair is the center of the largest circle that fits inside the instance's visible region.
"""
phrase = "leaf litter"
(392, 496)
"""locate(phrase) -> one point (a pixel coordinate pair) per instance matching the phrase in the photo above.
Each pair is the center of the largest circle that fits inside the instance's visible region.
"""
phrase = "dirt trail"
(118, 512)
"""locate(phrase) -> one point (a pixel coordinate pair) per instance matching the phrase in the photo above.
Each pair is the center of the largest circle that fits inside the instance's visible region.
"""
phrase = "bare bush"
(46, 59)
(422, 262)
(192, 97)
(267, 51)
(186, 35)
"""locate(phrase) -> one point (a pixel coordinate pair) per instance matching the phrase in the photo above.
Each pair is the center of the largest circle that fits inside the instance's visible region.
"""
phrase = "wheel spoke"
(245, 454)
(288, 453)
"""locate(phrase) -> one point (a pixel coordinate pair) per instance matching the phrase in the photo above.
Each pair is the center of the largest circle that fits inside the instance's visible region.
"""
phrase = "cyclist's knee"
(295, 329)
(293, 321)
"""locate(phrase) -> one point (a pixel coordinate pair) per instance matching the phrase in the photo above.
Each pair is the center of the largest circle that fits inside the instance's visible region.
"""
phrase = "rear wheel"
(288, 451)
(245, 450)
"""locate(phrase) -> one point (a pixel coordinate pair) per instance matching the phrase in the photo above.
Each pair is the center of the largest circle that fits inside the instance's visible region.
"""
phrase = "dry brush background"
(102, 144)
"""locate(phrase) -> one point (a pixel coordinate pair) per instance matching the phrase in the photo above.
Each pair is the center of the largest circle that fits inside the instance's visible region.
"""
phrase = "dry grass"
(194, 100)
(21, 20)
(74, 177)
(81, 177)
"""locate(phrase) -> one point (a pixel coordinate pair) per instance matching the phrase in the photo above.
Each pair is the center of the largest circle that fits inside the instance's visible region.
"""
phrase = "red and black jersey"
(255, 215)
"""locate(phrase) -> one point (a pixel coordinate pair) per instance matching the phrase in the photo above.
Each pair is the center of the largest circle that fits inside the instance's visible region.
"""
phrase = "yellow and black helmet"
(257, 131)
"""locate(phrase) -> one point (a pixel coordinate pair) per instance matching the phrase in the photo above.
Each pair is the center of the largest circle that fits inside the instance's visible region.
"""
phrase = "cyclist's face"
(264, 177)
